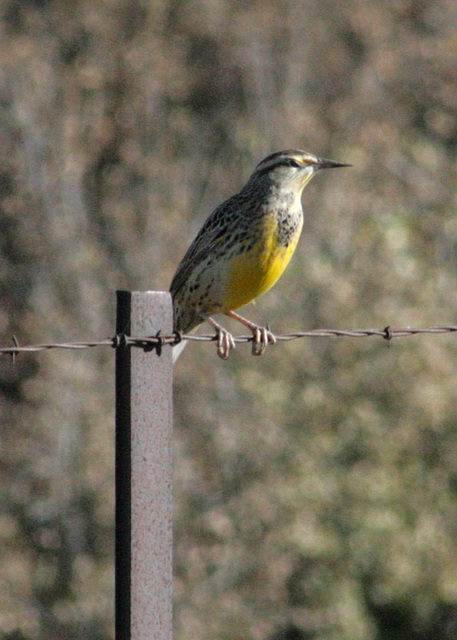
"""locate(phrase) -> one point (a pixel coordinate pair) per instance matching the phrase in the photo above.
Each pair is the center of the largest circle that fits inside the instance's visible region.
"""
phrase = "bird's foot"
(225, 342)
(262, 337)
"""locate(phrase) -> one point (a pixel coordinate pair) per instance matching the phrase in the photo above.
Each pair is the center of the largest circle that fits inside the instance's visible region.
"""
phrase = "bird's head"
(292, 169)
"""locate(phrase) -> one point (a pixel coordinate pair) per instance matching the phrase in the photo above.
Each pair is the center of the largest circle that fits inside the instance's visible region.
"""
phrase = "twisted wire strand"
(156, 342)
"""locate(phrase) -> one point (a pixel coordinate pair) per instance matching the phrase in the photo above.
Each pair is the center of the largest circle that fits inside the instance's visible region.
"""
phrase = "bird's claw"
(262, 337)
(225, 343)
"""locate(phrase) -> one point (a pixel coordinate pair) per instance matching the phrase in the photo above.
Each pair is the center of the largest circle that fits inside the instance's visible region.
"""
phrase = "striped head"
(292, 169)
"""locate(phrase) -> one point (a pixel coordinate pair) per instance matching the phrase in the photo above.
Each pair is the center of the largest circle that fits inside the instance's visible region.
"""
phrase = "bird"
(243, 248)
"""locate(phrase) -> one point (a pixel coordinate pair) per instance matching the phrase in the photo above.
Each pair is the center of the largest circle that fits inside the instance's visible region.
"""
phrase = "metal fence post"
(143, 472)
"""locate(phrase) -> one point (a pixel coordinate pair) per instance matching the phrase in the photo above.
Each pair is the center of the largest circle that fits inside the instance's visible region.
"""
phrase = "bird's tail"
(177, 350)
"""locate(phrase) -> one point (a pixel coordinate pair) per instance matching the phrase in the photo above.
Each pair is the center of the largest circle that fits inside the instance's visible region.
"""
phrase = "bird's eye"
(293, 163)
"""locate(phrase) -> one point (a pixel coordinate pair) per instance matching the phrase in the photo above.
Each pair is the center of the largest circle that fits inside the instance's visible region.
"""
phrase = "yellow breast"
(252, 273)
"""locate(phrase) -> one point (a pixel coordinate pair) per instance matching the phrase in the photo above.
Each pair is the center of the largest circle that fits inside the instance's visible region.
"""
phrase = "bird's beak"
(322, 163)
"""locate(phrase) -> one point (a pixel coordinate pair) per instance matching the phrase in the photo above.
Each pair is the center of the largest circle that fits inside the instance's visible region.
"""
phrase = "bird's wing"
(210, 236)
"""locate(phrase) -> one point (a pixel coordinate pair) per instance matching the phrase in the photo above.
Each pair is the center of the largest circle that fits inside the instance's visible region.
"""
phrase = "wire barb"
(119, 341)
(14, 353)
(160, 341)
(387, 333)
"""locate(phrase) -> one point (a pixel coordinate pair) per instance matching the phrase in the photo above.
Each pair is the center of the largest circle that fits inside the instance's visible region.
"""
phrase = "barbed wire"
(156, 342)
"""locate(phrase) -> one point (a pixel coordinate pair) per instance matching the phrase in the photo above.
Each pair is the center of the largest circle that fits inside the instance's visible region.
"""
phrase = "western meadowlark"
(243, 248)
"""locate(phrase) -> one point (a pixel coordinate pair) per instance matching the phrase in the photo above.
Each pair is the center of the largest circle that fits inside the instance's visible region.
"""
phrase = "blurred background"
(315, 487)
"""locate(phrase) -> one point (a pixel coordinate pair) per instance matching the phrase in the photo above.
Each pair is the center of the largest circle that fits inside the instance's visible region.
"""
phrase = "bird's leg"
(262, 335)
(225, 341)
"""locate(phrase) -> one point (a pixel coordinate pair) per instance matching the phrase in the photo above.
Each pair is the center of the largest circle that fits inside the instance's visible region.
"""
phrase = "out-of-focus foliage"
(316, 486)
